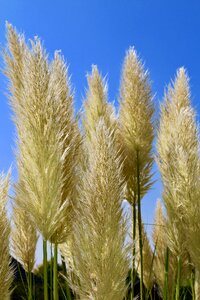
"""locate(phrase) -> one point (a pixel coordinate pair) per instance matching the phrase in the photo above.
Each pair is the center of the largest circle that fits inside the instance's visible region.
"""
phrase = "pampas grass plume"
(136, 124)
(99, 250)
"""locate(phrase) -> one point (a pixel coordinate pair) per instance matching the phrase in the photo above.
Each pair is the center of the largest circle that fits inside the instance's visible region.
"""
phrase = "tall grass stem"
(45, 270)
(30, 288)
(51, 272)
(55, 273)
(178, 278)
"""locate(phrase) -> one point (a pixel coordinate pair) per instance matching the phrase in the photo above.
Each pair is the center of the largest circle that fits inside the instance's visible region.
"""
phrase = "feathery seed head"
(96, 106)
(48, 140)
(100, 231)
(136, 131)
(178, 162)
(178, 147)
(99, 247)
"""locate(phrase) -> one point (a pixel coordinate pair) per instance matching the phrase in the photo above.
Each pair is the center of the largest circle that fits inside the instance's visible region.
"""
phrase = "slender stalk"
(61, 288)
(22, 278)
(149, 293)
(192, 280)
(29, 285)
(68, 293)
(166, 274)
(178, 278)
(139, 225)
(55, 273)
(51, 273)
(45, 270)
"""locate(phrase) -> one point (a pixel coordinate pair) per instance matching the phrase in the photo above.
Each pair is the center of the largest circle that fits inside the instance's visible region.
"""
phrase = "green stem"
(139, 225)
(29, 285)
(51, 274)
(65, 273)
(192, 285)
(61, 288)
(166, 274)
(55, 273)
(197, 285)
(45, 270)
(178, 278)
(151, 271)
(25, 289)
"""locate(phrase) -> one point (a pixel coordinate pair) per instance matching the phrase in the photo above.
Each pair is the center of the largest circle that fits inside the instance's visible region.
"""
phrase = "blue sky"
(165, 33)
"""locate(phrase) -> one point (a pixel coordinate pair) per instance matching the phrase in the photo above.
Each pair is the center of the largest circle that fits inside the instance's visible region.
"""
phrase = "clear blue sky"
(166, 34)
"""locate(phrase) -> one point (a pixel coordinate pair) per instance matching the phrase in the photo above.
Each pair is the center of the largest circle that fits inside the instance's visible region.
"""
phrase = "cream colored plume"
(99, 252)
(178, 146)
(14, 59)
(71, 139)
(6, 272)
(96, 105)
(23, 234)
(136, 131)
(46, 136)
(178, 160)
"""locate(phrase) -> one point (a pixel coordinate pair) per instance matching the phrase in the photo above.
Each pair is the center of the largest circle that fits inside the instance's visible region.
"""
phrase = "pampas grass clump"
(73, 178)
